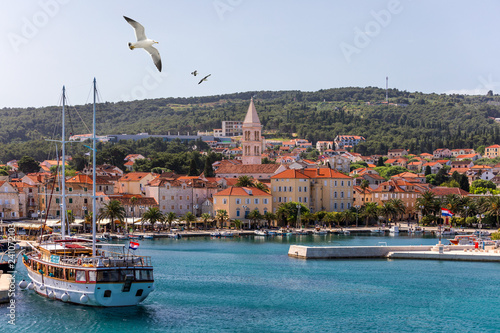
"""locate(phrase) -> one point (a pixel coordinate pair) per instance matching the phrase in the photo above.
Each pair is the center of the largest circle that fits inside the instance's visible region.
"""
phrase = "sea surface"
(249, 284)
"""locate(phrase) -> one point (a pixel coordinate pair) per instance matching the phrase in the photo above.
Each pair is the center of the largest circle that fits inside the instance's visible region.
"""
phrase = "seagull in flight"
(144, 42)
(204, 79)
(194, 73)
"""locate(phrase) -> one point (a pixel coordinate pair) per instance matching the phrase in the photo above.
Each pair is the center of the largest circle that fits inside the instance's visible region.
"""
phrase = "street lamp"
(357, 213)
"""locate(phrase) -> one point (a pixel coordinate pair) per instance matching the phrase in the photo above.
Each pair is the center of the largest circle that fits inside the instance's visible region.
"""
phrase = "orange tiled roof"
(133, 176)
(242, 191)
(248, 168)
(290, 174)
(443, 191)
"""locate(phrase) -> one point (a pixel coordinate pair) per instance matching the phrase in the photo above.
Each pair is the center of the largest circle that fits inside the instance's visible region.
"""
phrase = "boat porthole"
(139, 292)
(107, 293)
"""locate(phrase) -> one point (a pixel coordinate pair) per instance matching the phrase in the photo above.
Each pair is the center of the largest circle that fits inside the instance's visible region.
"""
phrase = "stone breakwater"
(458, 252)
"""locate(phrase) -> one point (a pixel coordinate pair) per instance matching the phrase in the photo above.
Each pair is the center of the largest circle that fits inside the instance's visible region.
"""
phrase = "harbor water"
(249, 284)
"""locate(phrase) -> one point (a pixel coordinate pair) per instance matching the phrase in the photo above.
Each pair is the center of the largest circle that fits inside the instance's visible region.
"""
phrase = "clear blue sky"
(427, 45)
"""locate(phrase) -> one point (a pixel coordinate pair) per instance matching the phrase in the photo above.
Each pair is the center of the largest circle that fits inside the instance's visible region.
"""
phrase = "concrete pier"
(455, 252)
(5, 280)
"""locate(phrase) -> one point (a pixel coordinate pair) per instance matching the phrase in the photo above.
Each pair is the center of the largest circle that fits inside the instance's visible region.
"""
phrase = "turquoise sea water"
(249, 284)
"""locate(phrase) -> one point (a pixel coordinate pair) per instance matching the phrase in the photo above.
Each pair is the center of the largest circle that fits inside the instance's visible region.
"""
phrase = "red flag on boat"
(133, 245)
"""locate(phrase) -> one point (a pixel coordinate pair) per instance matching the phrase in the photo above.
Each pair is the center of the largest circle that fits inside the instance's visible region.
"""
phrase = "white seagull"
(144, 42)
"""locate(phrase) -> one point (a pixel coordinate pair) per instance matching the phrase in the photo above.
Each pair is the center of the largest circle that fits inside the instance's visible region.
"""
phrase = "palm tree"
(221, 217)
(453, 202)
(189, 218)
(492, 207)
(399, 207)
(205, 217)
(370, 211)
(255, 216)
(152, 215)
(245, 181)
(347, 217)
(387, 209)
(170, 217)
(262, 187)
(269, 217)
(113, 210)
(428, 202)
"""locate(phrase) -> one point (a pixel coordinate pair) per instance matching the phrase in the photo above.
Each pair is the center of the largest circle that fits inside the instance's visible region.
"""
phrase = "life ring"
(79, 262)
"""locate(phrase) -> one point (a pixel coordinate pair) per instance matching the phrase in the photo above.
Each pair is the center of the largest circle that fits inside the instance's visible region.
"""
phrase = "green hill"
(420, 122)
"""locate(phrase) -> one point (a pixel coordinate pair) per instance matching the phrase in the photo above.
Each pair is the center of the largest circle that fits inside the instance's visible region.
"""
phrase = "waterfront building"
(318, 188)
(238, 202)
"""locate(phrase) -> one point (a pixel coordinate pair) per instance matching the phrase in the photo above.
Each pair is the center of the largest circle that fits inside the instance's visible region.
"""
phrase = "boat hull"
(95, 292)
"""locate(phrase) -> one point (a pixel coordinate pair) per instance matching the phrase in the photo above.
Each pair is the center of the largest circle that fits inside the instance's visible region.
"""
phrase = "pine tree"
(193, 170)
(208, 171)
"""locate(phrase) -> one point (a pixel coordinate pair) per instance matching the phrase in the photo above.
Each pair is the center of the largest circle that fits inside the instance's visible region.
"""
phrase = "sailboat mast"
(63, 173)
(94, 181)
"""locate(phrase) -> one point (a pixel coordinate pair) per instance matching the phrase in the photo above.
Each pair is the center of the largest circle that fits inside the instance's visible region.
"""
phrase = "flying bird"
(194, 73)
(144, 42)
(204, 79)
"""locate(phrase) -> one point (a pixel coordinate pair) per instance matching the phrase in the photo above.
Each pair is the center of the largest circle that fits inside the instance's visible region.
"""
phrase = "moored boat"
(80, 271)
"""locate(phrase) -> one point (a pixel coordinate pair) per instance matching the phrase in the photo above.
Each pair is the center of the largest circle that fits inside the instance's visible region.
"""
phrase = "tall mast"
(94, 212)
(63, 173)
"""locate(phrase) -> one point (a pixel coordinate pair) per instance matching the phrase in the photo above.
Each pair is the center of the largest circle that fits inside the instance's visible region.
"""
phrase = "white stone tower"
(251, 142)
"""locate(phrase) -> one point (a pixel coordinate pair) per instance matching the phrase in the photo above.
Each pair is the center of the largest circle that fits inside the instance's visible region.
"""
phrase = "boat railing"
(108, 260)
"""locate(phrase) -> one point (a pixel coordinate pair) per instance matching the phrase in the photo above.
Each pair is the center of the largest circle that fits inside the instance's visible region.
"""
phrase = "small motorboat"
(378, 231)
(394, 230)
(226, 234)
(215, 234)
(320, 232)
(148, 237)
(174, 235)
(260, 233)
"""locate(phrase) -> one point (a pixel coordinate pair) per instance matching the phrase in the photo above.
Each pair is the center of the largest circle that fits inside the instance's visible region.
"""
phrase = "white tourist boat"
(77, 270)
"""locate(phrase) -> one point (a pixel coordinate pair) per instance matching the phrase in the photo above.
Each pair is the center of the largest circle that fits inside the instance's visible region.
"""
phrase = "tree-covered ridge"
(429, 121)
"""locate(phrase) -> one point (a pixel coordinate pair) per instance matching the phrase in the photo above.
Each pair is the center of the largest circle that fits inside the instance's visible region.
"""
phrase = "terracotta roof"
(467, 155)
(324, 173)
(494, 146)
(125, 200)
(290, 174)
(242, 191)
(133, 176)
(443, 191)
(248, 168)
(459, 170)
(408, 175)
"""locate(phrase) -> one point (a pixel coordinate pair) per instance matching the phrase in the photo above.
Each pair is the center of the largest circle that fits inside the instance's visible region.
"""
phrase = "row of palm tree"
(431, 205)
(114, 211)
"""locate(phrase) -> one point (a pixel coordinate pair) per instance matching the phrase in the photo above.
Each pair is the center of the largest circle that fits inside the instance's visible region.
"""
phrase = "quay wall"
(339, 252)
